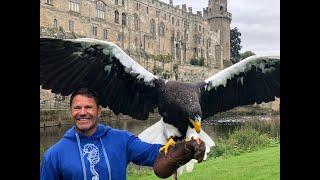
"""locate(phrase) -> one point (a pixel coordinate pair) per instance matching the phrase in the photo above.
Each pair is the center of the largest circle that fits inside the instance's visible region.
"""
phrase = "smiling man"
(85, 111)
(90, 150)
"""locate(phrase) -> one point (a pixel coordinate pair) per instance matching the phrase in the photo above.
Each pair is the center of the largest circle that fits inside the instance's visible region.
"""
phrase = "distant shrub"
(252, 136)
(197, 62)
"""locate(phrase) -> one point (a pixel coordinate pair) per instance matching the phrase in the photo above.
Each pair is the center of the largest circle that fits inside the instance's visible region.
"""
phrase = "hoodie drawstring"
(82, 161)
(106, 158)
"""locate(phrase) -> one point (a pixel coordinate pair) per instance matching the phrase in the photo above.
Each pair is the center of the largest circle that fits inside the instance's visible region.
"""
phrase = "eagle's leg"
(175, 175)
(170, 142)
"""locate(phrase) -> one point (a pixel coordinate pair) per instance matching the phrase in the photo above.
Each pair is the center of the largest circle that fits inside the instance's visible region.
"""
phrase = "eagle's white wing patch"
(130, 66)
(222, 77)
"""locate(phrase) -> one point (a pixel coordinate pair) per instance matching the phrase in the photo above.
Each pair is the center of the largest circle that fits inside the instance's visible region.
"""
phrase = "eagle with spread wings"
(126, 87)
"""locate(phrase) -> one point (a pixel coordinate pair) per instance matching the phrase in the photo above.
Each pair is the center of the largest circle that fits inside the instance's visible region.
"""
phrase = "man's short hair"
(85, 92)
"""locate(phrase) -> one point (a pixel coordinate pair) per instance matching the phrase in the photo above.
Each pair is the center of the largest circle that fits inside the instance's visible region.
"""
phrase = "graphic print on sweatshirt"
(93, 158)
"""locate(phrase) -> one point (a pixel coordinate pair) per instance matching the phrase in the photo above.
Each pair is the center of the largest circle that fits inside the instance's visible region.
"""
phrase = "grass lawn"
(260, 164)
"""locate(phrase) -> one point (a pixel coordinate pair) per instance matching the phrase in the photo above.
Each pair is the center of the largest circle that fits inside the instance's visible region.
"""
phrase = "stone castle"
(163, 38)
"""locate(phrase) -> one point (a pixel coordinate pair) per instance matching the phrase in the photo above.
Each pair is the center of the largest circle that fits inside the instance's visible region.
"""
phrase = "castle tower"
(219, 19)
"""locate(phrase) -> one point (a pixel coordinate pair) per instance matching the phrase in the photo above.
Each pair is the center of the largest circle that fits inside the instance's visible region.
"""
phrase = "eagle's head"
(196, 122)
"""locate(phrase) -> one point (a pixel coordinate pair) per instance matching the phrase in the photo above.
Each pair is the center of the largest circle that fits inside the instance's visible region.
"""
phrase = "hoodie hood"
(101, 130)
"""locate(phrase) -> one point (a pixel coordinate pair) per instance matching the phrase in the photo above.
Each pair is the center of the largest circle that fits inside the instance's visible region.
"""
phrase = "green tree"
(235, 45)
(246, 54)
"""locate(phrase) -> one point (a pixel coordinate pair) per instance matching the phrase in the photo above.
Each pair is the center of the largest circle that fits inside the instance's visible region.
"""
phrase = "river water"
(50, 135)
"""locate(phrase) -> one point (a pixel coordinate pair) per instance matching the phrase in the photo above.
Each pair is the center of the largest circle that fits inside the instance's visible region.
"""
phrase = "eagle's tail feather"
(154, 134)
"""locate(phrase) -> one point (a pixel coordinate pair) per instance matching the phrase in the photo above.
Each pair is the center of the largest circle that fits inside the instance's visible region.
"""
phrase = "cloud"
(257, 20)
(259, 24)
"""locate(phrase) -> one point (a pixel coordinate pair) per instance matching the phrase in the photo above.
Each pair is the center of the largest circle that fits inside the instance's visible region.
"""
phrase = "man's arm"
(140, 152)
(165, 165)
(179, 154)
(47, 170)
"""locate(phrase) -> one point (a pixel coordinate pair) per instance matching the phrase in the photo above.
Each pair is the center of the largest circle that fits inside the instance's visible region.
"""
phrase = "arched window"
(48, 2)
(124, 19)
(178, 35)
(74, 5)
(152, 27)
(209, 42)
(136, 22)
(116, 17)
(100, 9)
(161, 29)
(55, 23)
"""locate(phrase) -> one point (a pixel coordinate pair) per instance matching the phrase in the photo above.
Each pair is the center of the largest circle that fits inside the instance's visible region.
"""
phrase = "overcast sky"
(257, 20)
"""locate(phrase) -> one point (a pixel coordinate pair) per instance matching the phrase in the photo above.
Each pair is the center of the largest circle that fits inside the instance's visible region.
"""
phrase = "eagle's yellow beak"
(196, 125)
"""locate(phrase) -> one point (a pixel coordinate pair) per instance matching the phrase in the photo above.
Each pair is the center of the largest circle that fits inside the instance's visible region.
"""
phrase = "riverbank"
(58, 117)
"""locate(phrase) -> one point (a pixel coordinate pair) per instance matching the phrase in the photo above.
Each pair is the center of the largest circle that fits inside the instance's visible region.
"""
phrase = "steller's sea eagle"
(126, 87)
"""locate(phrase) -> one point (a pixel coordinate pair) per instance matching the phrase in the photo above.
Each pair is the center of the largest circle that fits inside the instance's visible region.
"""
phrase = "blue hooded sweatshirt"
(79, 157)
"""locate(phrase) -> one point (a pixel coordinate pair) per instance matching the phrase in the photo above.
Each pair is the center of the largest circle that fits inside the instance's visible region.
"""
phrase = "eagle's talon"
(165, 147)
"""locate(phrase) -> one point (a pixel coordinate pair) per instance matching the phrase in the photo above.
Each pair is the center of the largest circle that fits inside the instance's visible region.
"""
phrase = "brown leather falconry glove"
(178, 155)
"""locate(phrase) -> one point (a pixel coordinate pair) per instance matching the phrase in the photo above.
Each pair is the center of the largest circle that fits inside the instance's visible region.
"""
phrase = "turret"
(220, 19)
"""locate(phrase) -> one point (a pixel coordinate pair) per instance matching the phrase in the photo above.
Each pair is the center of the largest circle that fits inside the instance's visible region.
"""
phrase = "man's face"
(85, 112)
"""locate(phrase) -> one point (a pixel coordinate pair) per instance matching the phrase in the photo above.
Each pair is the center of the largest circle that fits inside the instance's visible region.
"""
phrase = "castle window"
(199, 28)
(178, 23)
(55, 23)
(71, 25)
(100, 9)
(185, 24)
(221, 8)
(136, 22)
(152, 27)
(165, 16)
(161, 29)
(138, 6)
(157, 13)
(123, 3)
(74, 5)
(120, 37)
(49, 2)
(195, 39)
(124, 19)
(94, 31)
(105, 34)
(147, 10)
(116, 2)
(116, 17)
(172, 20)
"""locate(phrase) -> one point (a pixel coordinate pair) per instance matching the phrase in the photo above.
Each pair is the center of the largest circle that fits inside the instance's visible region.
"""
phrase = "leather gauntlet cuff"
(178, 155)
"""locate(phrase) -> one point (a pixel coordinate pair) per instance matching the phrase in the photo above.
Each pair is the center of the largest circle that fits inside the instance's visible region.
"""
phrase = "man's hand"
(178, 155)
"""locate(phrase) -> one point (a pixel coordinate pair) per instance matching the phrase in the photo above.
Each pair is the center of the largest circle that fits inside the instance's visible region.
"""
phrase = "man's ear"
(99, 110)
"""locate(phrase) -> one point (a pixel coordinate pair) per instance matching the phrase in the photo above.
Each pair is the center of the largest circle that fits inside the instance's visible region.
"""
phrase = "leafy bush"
(250, 137)
(197, 62)
(271, 127)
